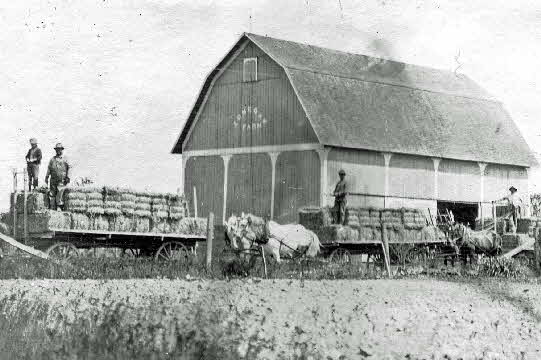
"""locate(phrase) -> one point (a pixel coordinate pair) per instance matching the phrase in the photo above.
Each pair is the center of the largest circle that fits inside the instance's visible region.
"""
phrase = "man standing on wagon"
(340, 200)
(33, 160)
(58, 171)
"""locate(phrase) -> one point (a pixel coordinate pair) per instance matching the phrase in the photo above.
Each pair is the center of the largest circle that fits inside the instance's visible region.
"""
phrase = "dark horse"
(472, 243)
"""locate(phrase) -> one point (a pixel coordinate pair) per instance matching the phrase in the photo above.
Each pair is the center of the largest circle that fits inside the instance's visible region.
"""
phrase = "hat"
(341, 172)
(33, 141)
(59, 146)
(512, 189)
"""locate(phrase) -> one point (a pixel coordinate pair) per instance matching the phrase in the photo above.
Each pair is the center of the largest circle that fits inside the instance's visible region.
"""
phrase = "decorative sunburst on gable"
(247, 113)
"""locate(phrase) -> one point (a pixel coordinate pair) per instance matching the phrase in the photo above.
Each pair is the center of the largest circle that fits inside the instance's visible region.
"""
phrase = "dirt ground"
(342, 319)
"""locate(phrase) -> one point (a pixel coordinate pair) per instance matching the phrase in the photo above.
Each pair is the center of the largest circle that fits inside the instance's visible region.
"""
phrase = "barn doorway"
(463, 212)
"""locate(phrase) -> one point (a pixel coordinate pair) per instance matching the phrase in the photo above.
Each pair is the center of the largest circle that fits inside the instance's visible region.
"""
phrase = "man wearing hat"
(340, 201)
(514, 201)
(33, 160)
(58, 172)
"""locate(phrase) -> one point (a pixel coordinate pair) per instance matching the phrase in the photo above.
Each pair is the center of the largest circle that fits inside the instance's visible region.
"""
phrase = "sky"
(114, 81)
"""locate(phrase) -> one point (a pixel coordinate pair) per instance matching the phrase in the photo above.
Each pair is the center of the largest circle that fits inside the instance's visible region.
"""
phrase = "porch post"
(273, 157)
(482, 167)
(183, 172)
(527, 192)
(387, 157)
(436, 162)
(323, 156)
(226, 159)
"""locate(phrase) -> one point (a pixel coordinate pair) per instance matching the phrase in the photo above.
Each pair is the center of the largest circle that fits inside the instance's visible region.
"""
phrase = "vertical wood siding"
(459, 181)
(499, 178)
(266, 112)
(411, 176)
(206, 173)
(365, 170)
(249, 184)
(297, 184)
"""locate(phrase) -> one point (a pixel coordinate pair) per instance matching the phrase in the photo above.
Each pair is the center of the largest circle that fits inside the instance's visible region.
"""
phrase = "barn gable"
(237, 114)
(360, 102)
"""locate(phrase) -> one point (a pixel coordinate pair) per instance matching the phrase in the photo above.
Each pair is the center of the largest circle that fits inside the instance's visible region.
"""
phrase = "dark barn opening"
(463, 212)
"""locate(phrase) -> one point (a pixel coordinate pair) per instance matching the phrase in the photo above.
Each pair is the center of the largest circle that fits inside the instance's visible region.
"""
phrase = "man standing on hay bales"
(515, 202)
(33, 160)
(340, 200)
(58, 171)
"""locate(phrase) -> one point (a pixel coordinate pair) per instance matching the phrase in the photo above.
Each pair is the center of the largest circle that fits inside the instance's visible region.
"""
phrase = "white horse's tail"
(315, 246)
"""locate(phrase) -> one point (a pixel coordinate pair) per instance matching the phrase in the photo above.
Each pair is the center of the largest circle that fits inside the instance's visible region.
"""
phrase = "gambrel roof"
(361, 102)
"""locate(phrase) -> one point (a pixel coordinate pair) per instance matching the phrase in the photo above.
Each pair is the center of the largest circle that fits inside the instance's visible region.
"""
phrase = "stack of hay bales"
(96, 209)
(352, 218)
(414, 222)
(367, 226)
(142, 213)
(375, 223)
(116, 204)
(392, 221)
(159, 214)
(178, 210)
(124, 221)
(76, 204)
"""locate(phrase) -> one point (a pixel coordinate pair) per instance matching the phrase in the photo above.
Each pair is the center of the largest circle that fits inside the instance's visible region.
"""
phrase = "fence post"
(195, 201)
(386, 256)
(210, 238)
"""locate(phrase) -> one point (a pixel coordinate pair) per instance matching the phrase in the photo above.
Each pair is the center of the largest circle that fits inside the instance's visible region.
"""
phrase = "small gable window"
(249, 70)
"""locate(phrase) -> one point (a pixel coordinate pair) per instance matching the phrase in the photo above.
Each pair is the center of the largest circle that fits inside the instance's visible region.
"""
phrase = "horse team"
(247, 231)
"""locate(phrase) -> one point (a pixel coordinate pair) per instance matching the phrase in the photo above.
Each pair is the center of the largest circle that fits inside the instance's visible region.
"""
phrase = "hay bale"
(80, 221)
(523, 225)
(121, 223)
(429, 234)
(366, 234)
(159, 211)
(314, 218)
(375, 218)
(45, 221)
(99, 222)
(141, 224)
(112, 201)
(337, 234)
(35, 202)
(159, 225)
(177, 207)
(352, 218)
(189, 226)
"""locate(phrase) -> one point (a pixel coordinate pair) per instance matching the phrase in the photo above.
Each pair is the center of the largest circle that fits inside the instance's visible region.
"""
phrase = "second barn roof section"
(362, 102)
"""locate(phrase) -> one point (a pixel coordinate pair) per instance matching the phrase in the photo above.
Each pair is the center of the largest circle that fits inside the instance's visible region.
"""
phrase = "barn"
(276, 120)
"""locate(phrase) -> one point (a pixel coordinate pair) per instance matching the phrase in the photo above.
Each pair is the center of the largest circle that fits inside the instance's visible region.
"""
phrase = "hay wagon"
(376, 235)
(137, 224)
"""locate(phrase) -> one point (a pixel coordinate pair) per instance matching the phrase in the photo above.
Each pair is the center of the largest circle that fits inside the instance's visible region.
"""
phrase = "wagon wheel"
(62, 250)
(340, 256)
(173, 251)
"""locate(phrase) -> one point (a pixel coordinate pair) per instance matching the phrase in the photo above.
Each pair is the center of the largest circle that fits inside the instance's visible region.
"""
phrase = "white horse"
(280, 241)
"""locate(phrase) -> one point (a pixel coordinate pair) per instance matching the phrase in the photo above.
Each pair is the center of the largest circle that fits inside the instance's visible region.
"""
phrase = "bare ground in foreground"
(340, 319)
